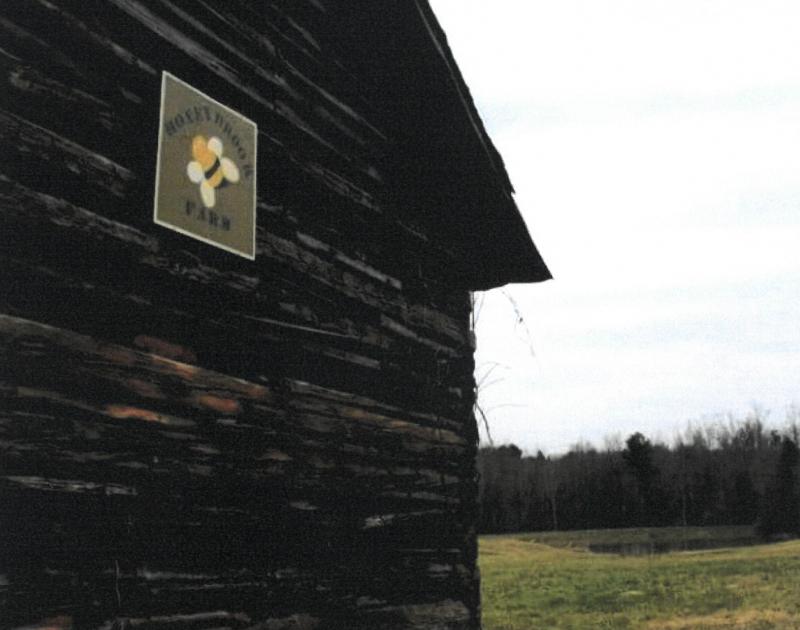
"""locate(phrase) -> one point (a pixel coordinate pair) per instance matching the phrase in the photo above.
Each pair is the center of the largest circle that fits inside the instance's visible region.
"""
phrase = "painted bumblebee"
(210, 169)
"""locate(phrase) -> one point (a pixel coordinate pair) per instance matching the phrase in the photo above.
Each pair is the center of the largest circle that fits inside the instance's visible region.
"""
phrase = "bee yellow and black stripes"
(209, 168)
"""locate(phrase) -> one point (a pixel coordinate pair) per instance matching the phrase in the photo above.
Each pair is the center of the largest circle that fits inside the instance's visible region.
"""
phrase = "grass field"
(528, 584)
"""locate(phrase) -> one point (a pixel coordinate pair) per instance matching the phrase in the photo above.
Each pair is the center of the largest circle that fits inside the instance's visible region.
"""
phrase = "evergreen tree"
(782, 512)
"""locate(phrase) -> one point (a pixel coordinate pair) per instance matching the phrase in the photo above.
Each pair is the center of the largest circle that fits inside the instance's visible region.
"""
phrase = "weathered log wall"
(189, 439)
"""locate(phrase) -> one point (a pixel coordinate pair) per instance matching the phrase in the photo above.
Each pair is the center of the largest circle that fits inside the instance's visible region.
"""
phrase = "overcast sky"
(655, 150)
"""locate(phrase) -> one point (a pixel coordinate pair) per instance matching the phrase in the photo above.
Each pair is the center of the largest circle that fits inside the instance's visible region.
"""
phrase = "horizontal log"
(251, 353)
(38, 211)
(128, 385)
(32, 148)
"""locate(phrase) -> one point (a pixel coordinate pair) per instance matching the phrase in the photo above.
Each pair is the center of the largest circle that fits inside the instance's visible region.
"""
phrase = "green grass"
(528, 584)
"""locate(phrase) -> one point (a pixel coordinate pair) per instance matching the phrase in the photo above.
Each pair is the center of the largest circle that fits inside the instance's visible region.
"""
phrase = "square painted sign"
(206, 169)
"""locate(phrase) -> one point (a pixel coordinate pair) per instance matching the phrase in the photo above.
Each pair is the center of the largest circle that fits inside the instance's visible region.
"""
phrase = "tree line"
(738, 472)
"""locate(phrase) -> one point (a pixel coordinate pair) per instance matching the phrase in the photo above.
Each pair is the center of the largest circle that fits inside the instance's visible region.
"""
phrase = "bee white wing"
(195, 172)
(229, 170)
(215, 146)
(208, 194)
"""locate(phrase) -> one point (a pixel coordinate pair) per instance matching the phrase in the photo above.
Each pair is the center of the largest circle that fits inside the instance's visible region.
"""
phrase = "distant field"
(528, 584)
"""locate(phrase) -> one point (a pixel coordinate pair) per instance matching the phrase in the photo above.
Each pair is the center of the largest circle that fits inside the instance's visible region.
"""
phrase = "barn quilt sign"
(205, 170)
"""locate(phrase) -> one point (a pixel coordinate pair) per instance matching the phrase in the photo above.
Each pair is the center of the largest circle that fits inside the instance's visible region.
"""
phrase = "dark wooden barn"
(202, 435)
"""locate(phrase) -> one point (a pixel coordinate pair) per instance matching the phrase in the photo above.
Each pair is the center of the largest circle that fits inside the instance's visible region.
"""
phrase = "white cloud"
(655, 149)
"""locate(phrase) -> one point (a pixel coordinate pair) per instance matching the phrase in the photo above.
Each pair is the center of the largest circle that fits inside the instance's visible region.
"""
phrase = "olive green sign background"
(230, 221)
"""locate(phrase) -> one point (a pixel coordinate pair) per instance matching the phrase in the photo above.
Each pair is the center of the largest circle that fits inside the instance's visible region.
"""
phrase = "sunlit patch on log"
(165, 349)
